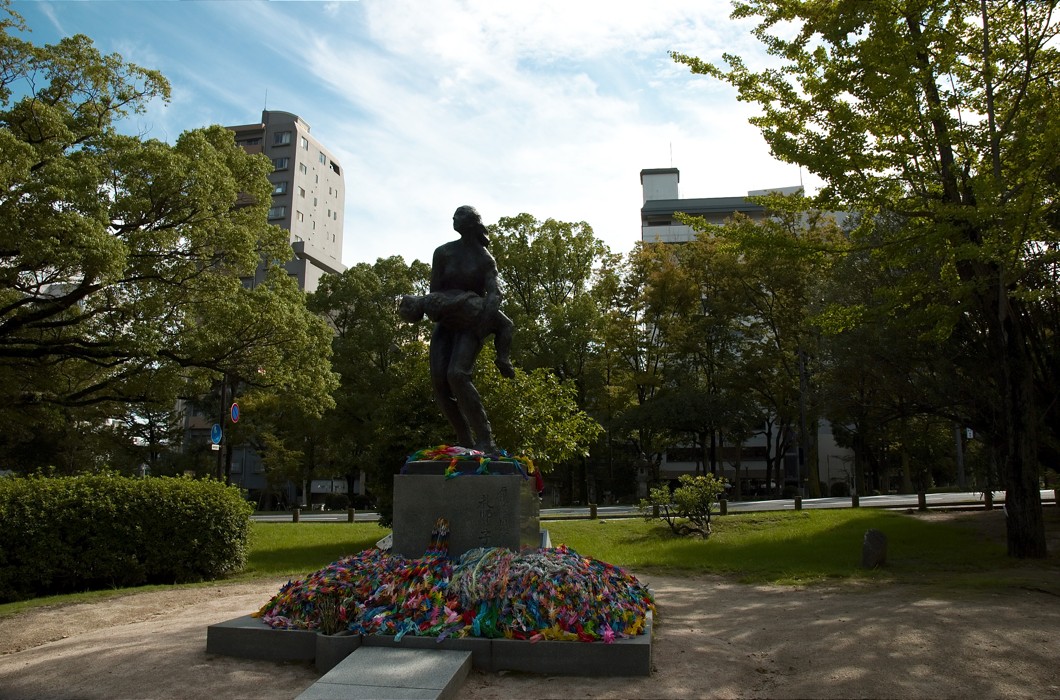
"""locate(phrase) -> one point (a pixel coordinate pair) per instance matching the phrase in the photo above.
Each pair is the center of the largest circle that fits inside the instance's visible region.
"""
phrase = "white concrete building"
(308, 193)
(658, 225)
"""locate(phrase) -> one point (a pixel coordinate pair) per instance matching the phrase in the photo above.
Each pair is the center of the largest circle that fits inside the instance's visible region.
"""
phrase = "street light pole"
(221, 422)
(803, 438)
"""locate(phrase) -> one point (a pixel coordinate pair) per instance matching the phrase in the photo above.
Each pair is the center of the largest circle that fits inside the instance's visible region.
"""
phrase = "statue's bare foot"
(505, 367)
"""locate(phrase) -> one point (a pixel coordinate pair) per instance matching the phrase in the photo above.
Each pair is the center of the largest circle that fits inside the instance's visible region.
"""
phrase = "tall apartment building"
(308, 196)
(308, 192)
(659, 225)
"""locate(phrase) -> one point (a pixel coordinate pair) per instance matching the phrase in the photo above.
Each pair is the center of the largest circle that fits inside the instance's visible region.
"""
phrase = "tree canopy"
(122, 257)
(943, 115)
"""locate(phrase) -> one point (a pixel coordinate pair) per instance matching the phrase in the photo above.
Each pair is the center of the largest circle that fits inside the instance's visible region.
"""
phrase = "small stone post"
(296, 514)
(873, 549)
(350, 514)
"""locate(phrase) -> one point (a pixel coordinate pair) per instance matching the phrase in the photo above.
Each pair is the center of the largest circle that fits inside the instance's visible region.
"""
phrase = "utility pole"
(221, 422)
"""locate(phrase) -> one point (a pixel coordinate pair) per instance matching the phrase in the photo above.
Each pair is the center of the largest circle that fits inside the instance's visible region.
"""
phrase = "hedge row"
(65, 534)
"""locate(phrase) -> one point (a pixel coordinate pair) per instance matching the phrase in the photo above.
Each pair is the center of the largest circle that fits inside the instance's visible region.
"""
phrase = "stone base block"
(495, 510)
(249, 638)
(333, 648)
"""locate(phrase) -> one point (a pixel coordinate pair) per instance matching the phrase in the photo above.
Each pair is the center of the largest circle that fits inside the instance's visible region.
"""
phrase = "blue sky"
(551, 107)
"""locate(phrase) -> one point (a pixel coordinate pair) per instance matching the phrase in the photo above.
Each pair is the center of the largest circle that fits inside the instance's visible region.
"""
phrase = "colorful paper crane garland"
(489, 592)
(454, 455)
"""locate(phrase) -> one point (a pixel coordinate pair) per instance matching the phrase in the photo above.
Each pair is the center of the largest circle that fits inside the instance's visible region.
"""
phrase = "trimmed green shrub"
(692, 501)
(839, 489)
(336, 501)
(103, 530)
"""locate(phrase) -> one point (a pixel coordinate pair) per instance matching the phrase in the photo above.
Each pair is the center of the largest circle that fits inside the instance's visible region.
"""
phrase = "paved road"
(933, 500)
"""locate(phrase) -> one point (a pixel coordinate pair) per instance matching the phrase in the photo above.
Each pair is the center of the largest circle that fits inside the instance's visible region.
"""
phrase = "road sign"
(215, 434)
(235, 413)
(215, 447)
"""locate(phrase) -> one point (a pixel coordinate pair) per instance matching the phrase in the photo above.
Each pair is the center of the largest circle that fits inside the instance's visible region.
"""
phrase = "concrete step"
(393, 674)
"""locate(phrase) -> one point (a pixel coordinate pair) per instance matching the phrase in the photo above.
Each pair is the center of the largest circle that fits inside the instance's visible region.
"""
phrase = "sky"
(550, 107)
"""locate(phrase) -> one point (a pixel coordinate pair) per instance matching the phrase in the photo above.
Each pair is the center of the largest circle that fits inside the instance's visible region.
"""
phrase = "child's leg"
(502, 343)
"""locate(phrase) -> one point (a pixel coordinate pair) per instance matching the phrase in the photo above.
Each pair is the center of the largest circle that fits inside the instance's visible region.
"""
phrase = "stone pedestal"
(483, 510)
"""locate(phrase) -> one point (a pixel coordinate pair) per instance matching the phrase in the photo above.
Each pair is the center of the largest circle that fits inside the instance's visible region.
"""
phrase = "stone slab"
(248, 637)
(375, 672)
(482, 511)
(481, 649)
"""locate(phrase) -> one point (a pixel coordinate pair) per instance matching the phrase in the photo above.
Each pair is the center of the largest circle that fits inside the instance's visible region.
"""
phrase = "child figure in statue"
(463, 310)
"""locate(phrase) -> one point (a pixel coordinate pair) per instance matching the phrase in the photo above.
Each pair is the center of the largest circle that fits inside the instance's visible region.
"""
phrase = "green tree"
(121, 258)
(946, 114)
(535, 414)
(634, 349)
(384, 408)
(549, 270)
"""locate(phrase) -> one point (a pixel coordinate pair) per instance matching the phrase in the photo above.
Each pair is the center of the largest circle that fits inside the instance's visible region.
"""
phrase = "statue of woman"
(465, 265)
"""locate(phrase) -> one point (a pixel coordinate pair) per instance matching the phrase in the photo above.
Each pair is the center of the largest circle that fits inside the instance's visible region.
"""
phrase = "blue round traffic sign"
(215, 434)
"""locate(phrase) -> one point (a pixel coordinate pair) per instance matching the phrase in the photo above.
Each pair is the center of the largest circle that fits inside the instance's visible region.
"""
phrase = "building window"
(280, 163)
(323, 158)
(314, 226)
(335, 167)
(279, 187)
(281, 138)
(335, 216)
(298, 214)
(277, 212)
(250, 142)
(305, 144)
(301, 192)
(314, 201)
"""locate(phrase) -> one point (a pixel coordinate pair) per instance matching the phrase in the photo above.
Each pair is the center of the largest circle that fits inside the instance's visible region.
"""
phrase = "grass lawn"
(297, 549)
(790, 547)
(776, 547)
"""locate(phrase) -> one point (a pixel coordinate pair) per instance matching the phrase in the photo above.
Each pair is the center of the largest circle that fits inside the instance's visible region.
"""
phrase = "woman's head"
(468, 222)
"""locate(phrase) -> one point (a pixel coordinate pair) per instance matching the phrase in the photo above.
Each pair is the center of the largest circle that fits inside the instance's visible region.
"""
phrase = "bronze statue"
(464, 302)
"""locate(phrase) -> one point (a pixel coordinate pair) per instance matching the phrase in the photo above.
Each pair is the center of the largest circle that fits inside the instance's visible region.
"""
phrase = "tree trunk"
(1023, 504)
(907, 472)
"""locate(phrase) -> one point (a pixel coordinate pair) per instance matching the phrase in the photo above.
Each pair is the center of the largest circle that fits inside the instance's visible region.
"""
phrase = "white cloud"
(550, 107)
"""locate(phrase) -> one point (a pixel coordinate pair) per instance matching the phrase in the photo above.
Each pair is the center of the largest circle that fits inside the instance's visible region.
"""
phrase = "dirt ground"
(714, 638)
